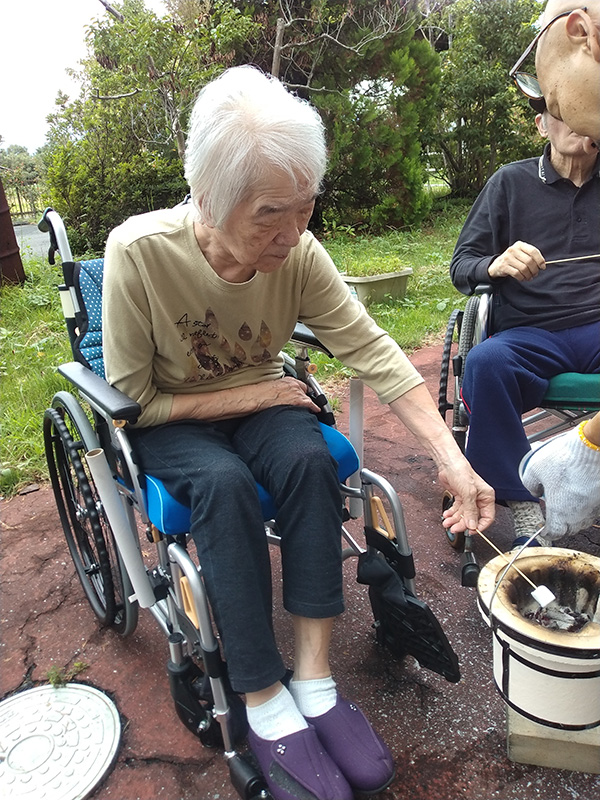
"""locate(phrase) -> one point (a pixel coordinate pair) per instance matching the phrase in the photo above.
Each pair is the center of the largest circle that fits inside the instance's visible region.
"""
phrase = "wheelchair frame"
(99, 493)
(464, 330)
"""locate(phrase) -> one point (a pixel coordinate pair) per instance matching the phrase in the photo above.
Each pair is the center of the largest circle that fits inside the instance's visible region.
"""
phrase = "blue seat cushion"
(172, 518)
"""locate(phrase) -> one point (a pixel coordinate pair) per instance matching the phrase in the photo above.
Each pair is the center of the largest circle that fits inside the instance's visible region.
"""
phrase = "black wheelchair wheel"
(455, 540)
(465, 343)
(68, 435)
(450, 338)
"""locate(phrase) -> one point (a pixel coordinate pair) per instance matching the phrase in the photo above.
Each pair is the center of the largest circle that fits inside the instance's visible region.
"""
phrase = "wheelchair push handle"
(52, 224)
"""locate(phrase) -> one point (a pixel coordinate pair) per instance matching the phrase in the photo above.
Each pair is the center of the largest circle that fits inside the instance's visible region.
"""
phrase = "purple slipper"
(296, 767)
(359, 752)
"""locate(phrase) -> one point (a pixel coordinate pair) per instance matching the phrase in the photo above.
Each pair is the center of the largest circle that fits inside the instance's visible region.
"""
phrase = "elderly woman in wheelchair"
(198, 303)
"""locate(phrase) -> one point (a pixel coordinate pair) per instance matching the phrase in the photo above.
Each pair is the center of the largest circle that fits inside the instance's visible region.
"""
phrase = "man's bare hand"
(521, 261)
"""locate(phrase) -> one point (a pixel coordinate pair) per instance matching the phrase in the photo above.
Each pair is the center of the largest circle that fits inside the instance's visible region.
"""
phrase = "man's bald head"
(568, 65)
(554, 7)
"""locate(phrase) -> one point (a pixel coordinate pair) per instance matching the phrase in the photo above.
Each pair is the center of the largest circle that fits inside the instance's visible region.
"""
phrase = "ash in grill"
(558, 618)
(576, 586)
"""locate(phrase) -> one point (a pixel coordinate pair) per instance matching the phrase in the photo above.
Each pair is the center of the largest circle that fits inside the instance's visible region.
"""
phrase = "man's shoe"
(359, 752)
(297, 767)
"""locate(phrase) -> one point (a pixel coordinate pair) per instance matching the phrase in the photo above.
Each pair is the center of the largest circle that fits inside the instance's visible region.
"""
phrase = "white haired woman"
(199, 301)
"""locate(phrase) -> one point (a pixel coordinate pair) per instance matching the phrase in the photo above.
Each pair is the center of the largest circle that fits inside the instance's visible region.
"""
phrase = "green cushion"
(573, 390)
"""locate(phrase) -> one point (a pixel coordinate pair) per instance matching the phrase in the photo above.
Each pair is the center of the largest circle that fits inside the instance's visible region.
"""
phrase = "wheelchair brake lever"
(381, 522)
(318, 399)
(316, 394)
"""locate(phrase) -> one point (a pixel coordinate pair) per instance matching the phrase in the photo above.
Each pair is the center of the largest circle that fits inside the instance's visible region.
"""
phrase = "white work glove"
(565, 471)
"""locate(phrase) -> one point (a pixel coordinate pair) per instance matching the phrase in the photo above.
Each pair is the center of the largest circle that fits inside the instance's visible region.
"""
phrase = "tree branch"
(113, 11)
(309, 88)
(97, 96)
(382, 22)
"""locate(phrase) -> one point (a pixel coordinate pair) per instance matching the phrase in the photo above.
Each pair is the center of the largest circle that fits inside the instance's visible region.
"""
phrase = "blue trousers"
(213, 468)
(506, 376)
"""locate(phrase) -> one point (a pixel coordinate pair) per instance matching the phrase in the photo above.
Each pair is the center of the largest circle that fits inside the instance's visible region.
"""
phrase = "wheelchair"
(107, 506)
(570, 398)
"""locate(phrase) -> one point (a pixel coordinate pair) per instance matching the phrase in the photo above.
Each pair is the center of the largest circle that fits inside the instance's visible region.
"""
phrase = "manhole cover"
(56, 744)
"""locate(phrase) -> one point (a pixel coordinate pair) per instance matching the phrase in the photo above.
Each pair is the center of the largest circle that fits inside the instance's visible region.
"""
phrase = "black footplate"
(404, 624)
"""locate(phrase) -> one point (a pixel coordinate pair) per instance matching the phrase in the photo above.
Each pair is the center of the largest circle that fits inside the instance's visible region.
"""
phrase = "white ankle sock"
(314, 697)
(279, 716)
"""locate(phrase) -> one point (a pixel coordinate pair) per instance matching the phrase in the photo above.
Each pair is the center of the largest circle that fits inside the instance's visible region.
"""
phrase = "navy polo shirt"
(529, 201)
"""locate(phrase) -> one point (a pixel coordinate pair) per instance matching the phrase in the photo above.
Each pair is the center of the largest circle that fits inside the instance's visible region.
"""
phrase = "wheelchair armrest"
(483, 288)
(303, 335)
(110, 400)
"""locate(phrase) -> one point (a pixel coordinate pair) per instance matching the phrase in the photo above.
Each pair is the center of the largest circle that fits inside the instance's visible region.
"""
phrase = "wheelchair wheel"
(68, 435)
(465, 343)
(455, 540)
(454, 325)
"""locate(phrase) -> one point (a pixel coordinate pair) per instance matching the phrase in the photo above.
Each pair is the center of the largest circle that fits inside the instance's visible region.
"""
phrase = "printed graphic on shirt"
(215, 354)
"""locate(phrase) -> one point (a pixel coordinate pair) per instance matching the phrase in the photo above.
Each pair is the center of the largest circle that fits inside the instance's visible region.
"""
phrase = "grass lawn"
(33, 339)
(421, 316)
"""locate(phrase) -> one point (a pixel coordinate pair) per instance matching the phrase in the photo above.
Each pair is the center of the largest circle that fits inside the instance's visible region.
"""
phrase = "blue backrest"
(87, 279)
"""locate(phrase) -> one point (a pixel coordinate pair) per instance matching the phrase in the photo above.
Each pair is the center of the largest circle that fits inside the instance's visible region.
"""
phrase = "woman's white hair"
(243, 123)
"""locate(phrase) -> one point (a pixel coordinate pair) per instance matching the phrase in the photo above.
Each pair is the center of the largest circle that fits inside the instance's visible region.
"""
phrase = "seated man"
(198, 302)
(546, 318)
(567, 469)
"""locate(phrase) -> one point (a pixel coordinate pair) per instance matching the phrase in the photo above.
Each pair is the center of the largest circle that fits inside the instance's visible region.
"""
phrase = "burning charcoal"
(559, 618)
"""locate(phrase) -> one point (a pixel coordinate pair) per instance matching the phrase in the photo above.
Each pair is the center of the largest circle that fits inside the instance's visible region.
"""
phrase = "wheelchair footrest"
(404, 624)
(186, 681)
(247, 778)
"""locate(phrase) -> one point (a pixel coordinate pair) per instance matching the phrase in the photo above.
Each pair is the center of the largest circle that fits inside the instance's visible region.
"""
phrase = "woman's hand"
(241, 400)
(474, 500)
(285, 392)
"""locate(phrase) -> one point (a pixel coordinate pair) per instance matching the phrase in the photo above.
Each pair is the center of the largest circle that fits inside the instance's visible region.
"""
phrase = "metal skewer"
(541, 594)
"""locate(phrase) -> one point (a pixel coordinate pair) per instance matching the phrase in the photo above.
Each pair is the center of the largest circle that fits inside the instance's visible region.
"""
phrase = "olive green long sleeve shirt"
(172, 325)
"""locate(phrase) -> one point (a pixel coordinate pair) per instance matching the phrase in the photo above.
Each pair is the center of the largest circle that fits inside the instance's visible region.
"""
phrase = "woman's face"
(262, 229)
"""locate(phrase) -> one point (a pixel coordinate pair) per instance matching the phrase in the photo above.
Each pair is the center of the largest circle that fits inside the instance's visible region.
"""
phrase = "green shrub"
(33, 341)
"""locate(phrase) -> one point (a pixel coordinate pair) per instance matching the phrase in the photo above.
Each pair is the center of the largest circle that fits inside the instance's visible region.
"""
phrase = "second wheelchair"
(570, 398)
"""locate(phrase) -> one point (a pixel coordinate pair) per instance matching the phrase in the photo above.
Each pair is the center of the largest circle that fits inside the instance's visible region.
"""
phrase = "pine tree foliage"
(482, 121)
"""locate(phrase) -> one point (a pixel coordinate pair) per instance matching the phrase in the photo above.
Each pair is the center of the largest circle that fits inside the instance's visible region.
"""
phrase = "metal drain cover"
(56, 744)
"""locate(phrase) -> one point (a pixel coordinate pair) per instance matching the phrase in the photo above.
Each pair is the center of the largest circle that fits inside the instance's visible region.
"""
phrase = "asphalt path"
(31, 241)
